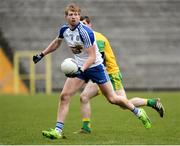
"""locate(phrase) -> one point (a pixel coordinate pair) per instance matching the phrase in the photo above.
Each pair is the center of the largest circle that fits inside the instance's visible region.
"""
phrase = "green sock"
(151, 102)
(86, 125)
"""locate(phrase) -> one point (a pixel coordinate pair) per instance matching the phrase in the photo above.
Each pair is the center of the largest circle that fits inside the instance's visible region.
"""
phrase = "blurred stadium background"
(145, 36)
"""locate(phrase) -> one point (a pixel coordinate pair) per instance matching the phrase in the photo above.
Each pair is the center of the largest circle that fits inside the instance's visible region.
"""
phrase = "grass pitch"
(23, 117)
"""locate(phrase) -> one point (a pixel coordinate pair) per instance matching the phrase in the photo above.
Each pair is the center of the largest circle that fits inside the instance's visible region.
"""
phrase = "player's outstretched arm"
(51, 47)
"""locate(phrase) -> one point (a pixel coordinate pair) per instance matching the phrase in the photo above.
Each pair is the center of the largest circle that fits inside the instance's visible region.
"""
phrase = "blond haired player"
(91, 89)
(81, 41)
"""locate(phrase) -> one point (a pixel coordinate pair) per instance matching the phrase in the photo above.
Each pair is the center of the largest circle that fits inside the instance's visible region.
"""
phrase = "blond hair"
(72, 7)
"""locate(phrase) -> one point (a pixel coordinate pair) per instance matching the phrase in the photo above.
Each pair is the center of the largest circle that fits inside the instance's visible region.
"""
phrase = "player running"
(81, 41)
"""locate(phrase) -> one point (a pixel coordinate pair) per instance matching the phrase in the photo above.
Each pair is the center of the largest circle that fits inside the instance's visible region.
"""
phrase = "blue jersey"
(79, 39)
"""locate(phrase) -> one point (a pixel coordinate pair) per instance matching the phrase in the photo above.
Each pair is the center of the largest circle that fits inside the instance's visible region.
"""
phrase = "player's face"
(85, 22)
(73, 18)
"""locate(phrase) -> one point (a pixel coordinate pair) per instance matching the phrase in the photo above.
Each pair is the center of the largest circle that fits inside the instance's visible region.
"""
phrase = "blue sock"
(59, 127)
(136, 111)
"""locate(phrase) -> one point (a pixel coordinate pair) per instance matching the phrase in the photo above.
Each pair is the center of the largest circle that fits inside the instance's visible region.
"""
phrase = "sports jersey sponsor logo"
(77, 49)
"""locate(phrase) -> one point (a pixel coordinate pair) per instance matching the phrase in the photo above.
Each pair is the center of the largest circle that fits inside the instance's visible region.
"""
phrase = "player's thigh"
(71, 86)
(90, 90)
(100, 76)
(121, 93)
(107, 90)
(110, 94)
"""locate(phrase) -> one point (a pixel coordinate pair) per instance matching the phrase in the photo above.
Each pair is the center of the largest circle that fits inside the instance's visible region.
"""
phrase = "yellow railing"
(32, 76)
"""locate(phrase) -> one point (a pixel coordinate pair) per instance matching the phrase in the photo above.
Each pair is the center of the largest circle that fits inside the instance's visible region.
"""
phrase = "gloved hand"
(73, 75)
(37, 57)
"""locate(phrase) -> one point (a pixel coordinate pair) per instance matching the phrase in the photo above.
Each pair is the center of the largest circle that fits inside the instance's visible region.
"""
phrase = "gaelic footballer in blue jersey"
(82, 42)
(79, 39)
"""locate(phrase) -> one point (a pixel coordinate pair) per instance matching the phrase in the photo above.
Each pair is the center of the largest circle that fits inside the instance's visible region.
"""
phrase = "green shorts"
(116, 80)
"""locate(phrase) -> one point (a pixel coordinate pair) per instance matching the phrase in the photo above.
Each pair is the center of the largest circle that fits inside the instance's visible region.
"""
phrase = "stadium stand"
(144, 34)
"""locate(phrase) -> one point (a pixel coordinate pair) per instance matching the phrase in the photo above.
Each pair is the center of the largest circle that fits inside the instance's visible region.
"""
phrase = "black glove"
(73, 75)
(38, 57)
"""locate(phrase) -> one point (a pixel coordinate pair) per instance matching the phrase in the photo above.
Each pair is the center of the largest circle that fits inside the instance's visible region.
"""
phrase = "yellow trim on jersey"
(110, 59)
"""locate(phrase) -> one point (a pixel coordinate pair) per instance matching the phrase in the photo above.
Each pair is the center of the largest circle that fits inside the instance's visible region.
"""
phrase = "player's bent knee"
(117, 101)
(112, 100)
(65, 97)
(83, 99)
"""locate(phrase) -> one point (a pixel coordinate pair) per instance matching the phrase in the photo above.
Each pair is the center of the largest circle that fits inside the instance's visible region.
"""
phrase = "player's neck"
(72, 27)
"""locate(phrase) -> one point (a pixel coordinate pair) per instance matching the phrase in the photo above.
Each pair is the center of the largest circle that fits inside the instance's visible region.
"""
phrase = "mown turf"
(23, 117)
